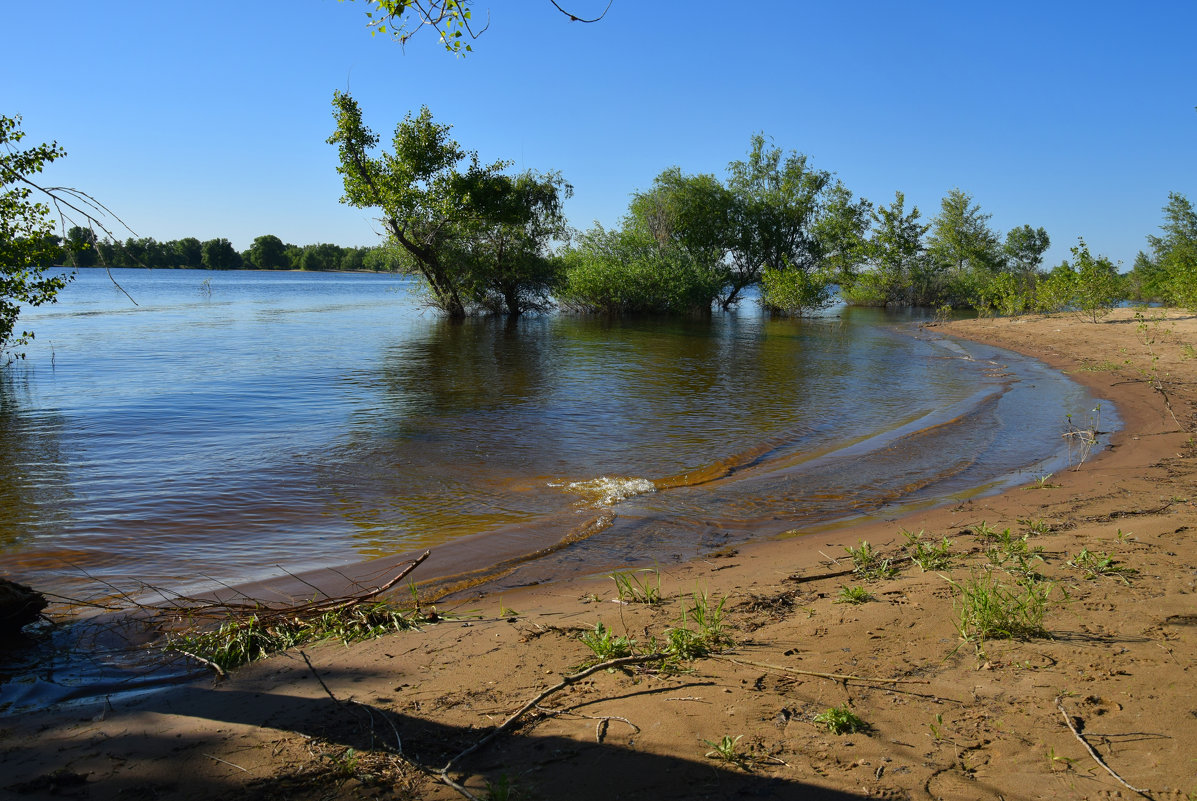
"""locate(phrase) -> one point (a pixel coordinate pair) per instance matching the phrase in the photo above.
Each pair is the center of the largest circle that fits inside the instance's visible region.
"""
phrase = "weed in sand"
(605, 645)
(853, 595)
(708, 634)
(502, 790)
(868, 563)
(841, 720)
(1094, 565)
(928, 556)
(936, 727)
(1013, 554)
(1035, 526)
(1044, 482)
(726, 749)
(990, 610)
(639, 589)
(243, 640)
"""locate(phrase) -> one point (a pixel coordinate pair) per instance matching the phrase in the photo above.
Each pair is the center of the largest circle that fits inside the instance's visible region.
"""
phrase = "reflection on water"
(303, 420)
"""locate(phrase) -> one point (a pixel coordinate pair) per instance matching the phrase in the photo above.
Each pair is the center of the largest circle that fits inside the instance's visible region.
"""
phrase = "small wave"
(608, 491)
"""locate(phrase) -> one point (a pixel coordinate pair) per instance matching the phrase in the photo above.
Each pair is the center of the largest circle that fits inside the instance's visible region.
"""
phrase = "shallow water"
(301, 420)
(235, 423)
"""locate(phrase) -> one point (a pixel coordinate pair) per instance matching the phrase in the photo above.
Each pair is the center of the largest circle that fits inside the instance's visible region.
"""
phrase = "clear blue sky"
(209, 119)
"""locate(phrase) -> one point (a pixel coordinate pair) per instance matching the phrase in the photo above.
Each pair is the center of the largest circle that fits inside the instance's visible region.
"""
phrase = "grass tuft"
(639, 586)
(853, 595)
(928, 556)
(841, 720)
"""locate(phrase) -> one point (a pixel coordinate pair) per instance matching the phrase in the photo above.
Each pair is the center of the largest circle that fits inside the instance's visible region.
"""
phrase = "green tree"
(1174, 253)
(80, 244)
(507, 252)
(629, 271)
(27, 241)
(898, 271)
(189, 252)
(776, 200)
(321, 258)
(268, 253)
(451, 19)
(961, 238)
(431, 206)
(1098, 288)
(841, 231)
(219, 254)
(693, 214)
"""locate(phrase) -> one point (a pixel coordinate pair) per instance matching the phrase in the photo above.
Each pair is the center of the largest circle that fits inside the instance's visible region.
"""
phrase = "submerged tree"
(27, 240)
(777, 199)
(443, 215)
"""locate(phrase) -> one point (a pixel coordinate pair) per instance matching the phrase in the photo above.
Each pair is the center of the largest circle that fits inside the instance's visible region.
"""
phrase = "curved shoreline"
(1120, 655)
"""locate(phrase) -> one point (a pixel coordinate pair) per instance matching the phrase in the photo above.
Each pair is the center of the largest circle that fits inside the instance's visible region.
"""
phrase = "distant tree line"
(82, 248)
(483, 241)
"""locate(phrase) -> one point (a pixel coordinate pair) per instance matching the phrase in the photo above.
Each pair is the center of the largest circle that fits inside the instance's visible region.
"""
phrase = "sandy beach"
(1099, 704)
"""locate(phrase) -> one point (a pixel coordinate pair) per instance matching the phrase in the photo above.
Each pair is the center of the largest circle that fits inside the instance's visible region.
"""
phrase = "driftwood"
(19, 606)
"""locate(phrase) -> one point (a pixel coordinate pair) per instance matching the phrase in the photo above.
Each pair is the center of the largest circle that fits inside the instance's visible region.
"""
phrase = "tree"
(965, 248)
(219, 254)
(629, 271)
(776, 198)
(321, 258)
(451, 19)
(81, 245)
(1098, 287)
(507, 252)
(899, 272)
(189, 252)
(431, 206)
(1024, 249)
(27, 241)
(268, 253)
(1174, 252)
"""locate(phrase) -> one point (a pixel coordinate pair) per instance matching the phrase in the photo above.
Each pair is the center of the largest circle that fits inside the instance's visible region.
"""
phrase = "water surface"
(233, 422)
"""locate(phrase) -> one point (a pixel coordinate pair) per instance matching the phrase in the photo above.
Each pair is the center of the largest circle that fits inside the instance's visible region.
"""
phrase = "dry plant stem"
(841, 677)
(1096, 756)
(561, 685)
(193, 607)
(219, 670)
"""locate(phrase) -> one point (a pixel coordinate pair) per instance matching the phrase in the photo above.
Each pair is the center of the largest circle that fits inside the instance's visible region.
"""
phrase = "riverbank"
(1111, 671)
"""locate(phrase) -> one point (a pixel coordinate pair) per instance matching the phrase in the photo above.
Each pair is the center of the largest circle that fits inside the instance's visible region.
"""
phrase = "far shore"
(1109, 677)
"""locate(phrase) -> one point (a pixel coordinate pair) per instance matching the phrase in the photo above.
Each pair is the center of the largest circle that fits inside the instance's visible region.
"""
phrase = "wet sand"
(947, 720)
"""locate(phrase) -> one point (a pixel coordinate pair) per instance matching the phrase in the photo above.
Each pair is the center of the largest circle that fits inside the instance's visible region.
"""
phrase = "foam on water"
(608, 491)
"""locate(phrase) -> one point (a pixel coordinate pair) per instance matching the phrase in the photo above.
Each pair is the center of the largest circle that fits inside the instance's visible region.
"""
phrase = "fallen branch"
(573, 678)
(1096, 756)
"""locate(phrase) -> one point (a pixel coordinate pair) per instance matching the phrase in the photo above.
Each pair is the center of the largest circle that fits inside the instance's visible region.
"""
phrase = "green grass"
(605, 645)
(988, 609)
(1011, 553)
(853, 595)
(726, 749)
(1094, 565)
(639, 586)
(239, 641)
(841, 720)
(868, 563)
(928, 556)
(708, 634)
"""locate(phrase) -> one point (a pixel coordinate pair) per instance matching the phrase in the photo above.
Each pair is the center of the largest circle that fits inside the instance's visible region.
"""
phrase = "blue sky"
(209, 119)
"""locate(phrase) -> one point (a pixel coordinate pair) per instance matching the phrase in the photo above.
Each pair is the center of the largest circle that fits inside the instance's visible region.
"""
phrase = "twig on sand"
(1096, 756)
(573, 678)
(219, 670)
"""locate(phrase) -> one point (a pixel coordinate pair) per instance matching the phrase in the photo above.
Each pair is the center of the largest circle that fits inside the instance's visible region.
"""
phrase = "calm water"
(235, 422)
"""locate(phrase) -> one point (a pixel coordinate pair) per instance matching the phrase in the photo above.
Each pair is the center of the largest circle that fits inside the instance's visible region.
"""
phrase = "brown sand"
(1118, 658)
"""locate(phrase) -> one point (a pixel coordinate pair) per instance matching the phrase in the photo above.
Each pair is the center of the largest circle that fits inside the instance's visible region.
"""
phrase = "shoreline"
(946, 722)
